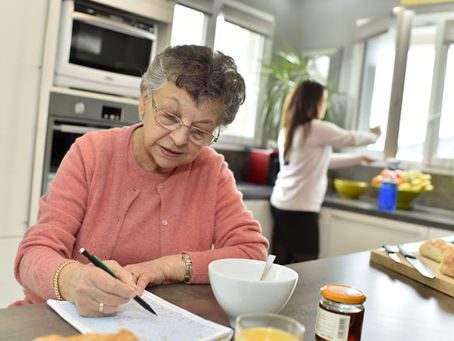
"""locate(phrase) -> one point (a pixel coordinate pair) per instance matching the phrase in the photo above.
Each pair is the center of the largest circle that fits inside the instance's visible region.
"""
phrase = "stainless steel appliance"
(102, 48)
(72, 116)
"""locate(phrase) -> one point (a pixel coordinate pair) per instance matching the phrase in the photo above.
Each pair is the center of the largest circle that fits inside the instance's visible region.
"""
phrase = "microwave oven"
(103, 49)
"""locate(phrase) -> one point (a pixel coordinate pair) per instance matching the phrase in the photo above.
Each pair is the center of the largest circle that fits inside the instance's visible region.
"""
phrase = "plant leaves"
(284, 73)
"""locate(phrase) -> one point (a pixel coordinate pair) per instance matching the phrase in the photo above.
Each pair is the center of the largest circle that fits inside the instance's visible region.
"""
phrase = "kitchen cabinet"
(435, 233)
(11, 290)
(261, 211)
(161, 10)
(22, 34)
(343, 232)
(324, 222)
(22, 31)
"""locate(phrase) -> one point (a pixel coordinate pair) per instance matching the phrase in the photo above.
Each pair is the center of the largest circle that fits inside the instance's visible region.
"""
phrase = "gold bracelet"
(57, 292)
(187, 267)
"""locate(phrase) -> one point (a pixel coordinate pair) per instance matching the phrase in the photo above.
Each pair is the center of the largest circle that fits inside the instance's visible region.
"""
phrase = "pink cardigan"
(95, 203)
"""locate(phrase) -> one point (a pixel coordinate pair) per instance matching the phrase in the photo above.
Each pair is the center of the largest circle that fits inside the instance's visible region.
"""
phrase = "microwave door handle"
(113, 25)
(73, 129)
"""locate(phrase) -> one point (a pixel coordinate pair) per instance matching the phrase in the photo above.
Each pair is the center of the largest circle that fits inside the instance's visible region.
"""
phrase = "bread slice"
(434, 249)
(447, 263)
(122, 335)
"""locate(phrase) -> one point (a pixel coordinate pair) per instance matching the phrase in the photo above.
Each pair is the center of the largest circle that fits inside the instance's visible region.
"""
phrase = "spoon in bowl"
(269, 262)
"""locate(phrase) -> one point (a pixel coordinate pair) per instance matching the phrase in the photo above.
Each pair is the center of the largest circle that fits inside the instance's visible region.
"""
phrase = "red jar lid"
(342, 294)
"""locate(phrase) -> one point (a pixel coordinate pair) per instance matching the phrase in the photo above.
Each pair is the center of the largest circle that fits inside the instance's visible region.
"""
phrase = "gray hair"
(206, 75)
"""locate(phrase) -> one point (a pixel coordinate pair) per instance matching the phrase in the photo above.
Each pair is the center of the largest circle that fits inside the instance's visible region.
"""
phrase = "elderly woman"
(152, 199)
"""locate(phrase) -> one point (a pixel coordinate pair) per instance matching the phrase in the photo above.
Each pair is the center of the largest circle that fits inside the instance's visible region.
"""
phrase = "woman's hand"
(375, 130)
(94, 291)
(157, 271)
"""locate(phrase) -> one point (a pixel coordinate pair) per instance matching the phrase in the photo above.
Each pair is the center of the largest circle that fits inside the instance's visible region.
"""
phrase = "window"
(376, 85)
(319, 65)
(231, 39)
(446, 135)
(420, 129)
(188, 26)
(229, 27)
(417, 94)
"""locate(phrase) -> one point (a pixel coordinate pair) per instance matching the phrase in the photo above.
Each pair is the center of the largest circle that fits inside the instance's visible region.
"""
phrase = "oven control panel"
(92, 109)
(111, 113)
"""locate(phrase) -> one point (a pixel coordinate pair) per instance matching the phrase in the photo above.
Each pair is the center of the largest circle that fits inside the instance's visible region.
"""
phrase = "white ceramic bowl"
(237, 287)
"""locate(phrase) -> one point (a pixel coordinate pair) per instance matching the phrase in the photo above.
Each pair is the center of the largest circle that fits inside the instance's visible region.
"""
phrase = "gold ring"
(101, 307)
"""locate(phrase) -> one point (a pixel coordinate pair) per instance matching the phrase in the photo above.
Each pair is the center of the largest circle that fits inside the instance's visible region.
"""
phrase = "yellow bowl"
(350, 188)
(405, 198)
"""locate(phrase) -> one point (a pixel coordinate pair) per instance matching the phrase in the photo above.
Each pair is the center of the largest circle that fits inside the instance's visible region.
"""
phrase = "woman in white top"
(305, 146)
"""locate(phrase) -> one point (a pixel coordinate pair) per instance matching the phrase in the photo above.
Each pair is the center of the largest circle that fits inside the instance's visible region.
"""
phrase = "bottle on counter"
(387, 195)
(340, 313)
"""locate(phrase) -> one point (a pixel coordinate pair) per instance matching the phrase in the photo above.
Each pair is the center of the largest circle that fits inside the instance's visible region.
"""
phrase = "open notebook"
(172, 322)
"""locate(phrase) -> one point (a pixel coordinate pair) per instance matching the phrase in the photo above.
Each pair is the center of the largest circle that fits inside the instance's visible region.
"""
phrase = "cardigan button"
(164, 222)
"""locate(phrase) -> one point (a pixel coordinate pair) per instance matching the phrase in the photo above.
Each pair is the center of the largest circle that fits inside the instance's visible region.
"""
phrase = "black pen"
(100, 264)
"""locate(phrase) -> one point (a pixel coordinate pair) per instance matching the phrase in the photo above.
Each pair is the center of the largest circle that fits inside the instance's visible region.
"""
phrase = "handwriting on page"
(172, 322)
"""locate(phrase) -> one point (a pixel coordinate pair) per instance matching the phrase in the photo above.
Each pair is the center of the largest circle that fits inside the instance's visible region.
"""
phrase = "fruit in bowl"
(412, 180)
(350, 189)
(410, 184)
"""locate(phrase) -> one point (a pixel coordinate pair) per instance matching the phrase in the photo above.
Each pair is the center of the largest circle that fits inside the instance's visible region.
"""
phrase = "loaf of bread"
(447, 263)
(434, 249)
(122, 335)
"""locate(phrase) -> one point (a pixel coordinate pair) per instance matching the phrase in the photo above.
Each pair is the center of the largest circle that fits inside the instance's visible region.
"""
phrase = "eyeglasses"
(172, 122)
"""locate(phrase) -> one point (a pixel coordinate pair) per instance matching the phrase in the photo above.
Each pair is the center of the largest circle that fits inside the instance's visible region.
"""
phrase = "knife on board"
(416, 263)
(392, 252)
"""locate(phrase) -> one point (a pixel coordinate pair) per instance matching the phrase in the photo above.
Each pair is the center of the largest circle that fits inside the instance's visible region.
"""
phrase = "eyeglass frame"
(181, 123)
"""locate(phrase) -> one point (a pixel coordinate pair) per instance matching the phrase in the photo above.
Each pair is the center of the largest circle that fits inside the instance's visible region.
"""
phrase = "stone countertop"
(421, 215)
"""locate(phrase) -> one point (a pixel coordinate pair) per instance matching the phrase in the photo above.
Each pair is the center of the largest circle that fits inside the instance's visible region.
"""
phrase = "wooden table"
(397, 308)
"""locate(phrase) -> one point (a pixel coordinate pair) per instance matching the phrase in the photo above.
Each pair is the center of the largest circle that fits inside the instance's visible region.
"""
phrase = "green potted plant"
(285, 72)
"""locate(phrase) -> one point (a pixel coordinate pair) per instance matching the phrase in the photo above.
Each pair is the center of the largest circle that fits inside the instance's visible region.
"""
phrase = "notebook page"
(171, 323)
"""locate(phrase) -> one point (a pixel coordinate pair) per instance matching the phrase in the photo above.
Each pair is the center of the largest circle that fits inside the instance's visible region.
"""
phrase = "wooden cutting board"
(441, 282)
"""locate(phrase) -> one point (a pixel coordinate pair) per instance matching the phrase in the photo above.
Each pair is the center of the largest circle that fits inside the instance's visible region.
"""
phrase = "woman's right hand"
(94, 291)
(375, 130)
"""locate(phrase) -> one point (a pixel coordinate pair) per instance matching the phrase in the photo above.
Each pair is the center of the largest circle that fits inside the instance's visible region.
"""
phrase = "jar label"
(332, 326)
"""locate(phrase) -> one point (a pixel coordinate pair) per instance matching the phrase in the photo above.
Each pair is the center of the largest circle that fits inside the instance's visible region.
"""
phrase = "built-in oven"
(71, 116)
(103, 49)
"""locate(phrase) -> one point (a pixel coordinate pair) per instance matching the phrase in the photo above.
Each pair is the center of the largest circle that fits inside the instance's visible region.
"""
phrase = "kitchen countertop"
(421, 215)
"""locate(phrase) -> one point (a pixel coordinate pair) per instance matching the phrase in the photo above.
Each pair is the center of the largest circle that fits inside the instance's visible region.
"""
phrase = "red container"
(263, 166)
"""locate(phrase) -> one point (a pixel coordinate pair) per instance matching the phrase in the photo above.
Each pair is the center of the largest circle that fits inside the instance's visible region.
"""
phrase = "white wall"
(331, 23)
(287, 35)
(319, 24)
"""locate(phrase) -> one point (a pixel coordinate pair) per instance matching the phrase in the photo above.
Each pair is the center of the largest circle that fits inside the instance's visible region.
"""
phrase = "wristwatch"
(187, 267)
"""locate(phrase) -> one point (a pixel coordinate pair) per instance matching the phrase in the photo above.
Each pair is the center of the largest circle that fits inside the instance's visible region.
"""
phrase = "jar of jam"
(340, 313)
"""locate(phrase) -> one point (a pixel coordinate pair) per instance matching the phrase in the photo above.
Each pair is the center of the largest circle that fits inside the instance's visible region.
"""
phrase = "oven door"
(101, 54)
(61, 134)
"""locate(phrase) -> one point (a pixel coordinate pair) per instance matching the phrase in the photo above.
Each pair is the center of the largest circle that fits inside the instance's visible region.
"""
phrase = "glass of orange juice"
(266, 326)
